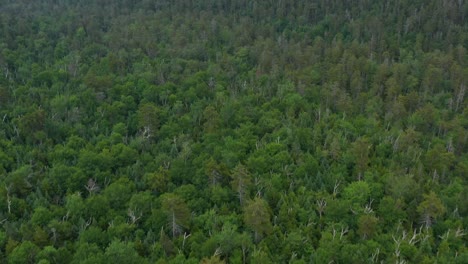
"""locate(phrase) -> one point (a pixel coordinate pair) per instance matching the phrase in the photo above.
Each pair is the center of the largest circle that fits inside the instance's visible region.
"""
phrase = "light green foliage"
(358, 193)
(49, 254)
(88, 253)
(24, 253)
(121, 252)
(212, 260)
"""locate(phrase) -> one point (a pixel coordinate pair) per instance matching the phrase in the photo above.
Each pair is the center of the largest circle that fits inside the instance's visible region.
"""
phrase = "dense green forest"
(233, 131)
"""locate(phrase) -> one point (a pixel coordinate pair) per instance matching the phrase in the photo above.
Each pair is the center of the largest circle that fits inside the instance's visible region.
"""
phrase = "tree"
(357, 193)
(169, 128)
(177, 212)
(166, 244)
(438, 161)
(31, 124)
(360, 151)
(367, 225)
(88, 253)
(430, 209)
(215, 172)
(260, 256)
(257, 217)
(52, 255)
(212, 119)
(93, 235)
(119, 192)
(240, 182)
(122, 252)
(75, 205)
(148, 120)
(24, 253)
(157, 181)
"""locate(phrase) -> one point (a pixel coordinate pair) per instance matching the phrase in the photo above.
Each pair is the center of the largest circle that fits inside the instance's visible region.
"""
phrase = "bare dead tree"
(106, 182)
(416, 237)
(368, 207)
(134, 217)
(258, 144)
(293, 256)
(176, 228)
(54, 234)
(375, 256)
(310, 222)
(411, 238)
(8, 198)
(445, 236)
(321, 205)
(395, 144)
(215, 177)
(92, 186)
(218, 252)
(427, 220)
(460, 96)
(335, 188)
(460, 232)
(166, 165)
(146, 133)
(344, 231)
(449, 146)
(435, 175)
(185, 238)
(85, 224)
(65, 217)
(397, 247)
(259, 185)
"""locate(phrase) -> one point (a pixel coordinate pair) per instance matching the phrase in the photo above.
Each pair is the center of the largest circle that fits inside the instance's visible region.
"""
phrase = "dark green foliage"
(175, 131)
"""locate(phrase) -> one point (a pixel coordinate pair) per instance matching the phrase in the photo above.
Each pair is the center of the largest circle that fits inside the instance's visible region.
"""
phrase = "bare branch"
(146, 132)
(166, 165)
(65, 217)
(85, 225)
(445, 236)
(343, 232)
(375, 256)
(134, 217)
(459, 232)
(368, 207)
(185, 238)
(218, 252)
(8, 198)
(415, 237)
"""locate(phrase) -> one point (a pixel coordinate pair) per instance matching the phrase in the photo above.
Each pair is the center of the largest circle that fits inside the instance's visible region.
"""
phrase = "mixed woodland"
(233, 131)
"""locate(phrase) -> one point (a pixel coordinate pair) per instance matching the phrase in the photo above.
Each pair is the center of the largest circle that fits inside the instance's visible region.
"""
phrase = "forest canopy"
(233, 131)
